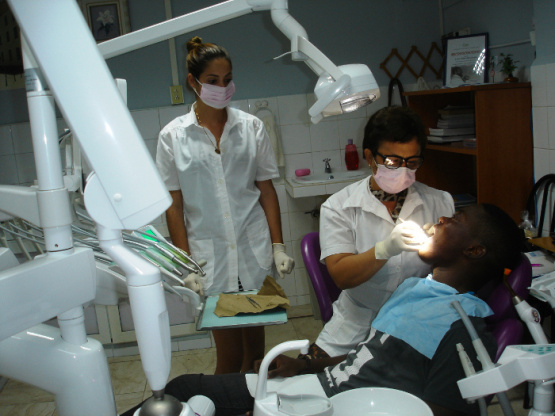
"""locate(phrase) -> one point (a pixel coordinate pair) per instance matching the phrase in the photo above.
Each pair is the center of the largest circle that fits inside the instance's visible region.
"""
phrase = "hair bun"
(194, 43)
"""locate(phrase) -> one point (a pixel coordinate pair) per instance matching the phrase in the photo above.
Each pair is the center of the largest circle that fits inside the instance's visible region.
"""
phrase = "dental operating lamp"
(338, 90)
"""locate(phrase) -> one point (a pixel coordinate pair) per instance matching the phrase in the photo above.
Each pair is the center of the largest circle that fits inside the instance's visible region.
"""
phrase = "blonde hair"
(200, 54)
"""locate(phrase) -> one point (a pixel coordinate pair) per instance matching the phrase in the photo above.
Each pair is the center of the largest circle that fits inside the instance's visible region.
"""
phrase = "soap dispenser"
(351, 155)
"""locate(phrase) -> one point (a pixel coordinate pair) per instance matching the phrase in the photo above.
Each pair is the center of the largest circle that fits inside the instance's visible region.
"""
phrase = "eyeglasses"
(395, 162)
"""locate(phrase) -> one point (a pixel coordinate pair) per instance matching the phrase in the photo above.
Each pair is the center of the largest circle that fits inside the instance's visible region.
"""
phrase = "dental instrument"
(19, 241)
(253, 302)
(163, 270)
(3, 238)
(175, 253)
(24, 226)
(483, 355)
(517, 364)
(166, 251)
(528, 314)
(469, 370)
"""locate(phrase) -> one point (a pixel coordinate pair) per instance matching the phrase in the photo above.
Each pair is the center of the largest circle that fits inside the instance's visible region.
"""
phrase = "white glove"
(284, 263)
(407, 236)
(194, 282)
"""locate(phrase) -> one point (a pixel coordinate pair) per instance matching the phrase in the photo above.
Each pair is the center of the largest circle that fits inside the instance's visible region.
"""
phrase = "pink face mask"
(215, 96)
(394, 181)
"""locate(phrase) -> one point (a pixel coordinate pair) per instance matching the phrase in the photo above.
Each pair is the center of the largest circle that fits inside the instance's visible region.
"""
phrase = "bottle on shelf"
(351, 155)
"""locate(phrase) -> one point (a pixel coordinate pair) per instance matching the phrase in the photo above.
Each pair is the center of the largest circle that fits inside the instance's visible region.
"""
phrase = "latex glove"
(284, 263)
(194, 282)
(407, 236)
(429, 228)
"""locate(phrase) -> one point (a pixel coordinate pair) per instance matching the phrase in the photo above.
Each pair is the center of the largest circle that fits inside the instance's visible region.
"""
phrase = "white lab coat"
(226, 225)
(353, 221)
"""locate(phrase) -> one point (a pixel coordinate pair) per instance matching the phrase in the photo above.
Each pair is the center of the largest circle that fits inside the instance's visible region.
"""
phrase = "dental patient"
(412, 343)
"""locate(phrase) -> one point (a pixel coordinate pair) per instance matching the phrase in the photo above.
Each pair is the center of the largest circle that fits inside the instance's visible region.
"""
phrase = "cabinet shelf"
(456, 147)
(500, 169)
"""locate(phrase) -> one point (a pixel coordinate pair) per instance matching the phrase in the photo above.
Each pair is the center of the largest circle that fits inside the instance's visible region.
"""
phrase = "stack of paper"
(455, 123)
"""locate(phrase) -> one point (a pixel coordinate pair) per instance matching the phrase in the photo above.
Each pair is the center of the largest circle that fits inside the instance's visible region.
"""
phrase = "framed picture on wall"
(107, 19)
(466, 60)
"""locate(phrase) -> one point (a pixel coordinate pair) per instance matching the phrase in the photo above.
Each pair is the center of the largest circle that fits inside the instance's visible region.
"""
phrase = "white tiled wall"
(543, 113)
(304, 146)
(543, 106)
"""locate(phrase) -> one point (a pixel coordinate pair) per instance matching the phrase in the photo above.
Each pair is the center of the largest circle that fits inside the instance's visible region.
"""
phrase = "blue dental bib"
(419, 312)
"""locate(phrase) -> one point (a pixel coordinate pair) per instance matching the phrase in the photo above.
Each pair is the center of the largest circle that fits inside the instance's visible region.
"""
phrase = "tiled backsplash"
(543, 113)
(304, 146)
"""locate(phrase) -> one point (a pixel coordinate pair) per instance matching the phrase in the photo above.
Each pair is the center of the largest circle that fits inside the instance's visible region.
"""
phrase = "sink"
(339, 176)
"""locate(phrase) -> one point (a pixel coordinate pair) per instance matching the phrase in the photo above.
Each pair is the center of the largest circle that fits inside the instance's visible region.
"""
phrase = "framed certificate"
(466, 60)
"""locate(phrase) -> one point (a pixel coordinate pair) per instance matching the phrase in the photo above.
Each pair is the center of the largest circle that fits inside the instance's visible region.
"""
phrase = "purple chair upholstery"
(505, 323)
(324, 287)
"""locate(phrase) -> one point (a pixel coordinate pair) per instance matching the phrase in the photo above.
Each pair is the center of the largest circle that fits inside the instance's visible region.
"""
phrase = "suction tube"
(483, 355)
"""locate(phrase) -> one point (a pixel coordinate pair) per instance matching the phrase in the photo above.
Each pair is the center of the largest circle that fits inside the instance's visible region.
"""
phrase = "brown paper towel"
(270, 296)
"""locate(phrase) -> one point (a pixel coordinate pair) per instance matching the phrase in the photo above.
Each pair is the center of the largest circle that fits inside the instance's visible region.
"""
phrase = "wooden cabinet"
(500, 169)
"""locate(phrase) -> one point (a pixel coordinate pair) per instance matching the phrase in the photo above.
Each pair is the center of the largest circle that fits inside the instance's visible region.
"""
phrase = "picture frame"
(106, 19)
(466, 60)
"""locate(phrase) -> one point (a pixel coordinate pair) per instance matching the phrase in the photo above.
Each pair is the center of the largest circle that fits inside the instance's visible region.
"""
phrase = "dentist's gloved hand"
(194, 282)
(407, 236)
(429, 228)
(284, 263)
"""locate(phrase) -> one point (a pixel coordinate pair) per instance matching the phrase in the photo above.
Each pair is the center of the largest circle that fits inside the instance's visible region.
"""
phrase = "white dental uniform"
(353, 221)
(226, 225)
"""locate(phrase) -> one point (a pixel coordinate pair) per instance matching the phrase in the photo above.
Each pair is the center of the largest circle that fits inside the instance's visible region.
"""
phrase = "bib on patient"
(419, 313)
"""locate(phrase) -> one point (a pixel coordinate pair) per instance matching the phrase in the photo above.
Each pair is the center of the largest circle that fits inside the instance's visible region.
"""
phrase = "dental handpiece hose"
(542, 392)
(483, 355)
(528, 314)
(469, 370)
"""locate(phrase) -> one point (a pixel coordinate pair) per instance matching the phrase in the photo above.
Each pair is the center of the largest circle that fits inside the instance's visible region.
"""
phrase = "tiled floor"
(130, 386)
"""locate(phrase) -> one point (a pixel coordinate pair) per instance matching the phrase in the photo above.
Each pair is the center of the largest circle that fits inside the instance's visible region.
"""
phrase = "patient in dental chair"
(412, 343)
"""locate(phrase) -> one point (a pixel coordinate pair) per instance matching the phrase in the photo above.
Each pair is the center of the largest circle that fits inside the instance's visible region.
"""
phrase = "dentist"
(363, 228)
(218, 164)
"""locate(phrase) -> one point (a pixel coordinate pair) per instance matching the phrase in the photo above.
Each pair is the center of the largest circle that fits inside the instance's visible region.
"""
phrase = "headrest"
(499, 300)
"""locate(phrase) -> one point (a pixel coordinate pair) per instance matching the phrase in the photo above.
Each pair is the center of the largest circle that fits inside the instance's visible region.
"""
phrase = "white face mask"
(215, 96)
(394, 181)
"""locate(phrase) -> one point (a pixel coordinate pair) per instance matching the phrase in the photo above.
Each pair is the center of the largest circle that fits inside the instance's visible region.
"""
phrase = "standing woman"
(218, 164)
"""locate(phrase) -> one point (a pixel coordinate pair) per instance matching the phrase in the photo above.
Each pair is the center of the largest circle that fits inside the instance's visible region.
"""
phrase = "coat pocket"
(260, 242)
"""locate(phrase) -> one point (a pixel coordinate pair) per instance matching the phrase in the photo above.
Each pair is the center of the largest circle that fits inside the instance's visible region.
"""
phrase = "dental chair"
(323, 286)
(505, 323)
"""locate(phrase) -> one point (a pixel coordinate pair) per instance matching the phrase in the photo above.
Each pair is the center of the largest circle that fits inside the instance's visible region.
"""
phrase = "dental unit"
(517, 364)
(63, 64)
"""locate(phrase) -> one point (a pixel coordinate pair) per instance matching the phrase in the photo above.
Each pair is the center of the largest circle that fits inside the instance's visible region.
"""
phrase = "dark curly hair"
(393, 124)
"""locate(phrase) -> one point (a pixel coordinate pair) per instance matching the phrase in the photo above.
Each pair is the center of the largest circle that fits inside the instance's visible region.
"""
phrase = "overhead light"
(340, 89)
(355, 88)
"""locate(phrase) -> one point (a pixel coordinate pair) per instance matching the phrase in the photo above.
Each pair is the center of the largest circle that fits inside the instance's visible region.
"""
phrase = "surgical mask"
(215, 96)
(394, 181)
